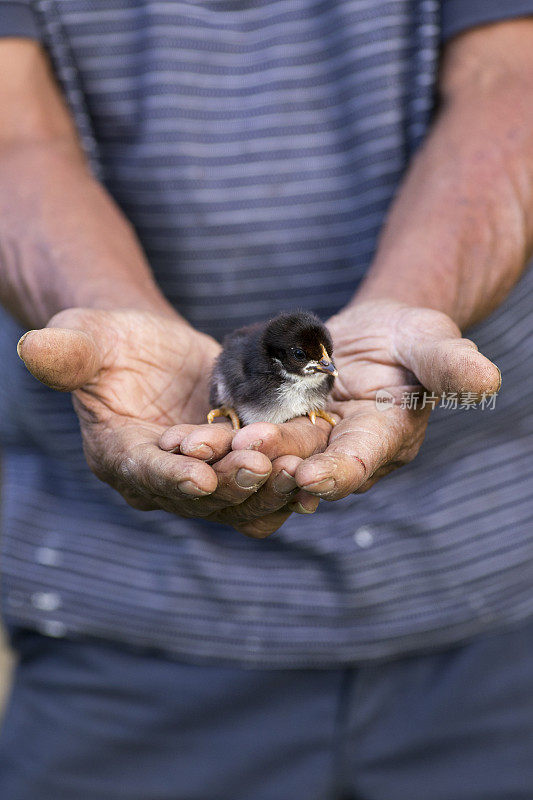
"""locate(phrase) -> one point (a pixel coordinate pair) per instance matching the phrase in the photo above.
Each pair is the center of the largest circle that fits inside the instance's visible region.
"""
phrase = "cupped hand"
(379, 346)
(133, 375)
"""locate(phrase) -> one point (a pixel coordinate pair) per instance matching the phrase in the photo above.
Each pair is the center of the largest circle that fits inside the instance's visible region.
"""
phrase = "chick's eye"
(299, 354)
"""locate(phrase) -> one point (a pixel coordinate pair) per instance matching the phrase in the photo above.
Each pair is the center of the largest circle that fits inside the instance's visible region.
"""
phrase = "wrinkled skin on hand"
(388, 346)
(140, 388)
(378, 345)
(135, 374)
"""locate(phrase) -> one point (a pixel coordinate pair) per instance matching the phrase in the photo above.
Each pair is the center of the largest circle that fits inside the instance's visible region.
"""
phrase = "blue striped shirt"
(256, 147)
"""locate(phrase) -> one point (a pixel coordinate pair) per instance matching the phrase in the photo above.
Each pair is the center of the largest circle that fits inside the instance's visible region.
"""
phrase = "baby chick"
(273, 371)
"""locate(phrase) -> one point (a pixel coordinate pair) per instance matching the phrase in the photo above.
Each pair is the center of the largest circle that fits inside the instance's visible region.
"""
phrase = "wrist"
(120, 322)
(118, 294)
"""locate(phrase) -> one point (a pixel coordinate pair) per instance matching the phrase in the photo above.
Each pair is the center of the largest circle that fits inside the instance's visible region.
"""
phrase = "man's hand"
(133, 374)
(379, 345)
(383, 345)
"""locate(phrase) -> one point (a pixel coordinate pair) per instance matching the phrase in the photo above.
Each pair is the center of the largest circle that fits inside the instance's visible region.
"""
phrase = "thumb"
(443, 361)
(62, 358)
(455, 365)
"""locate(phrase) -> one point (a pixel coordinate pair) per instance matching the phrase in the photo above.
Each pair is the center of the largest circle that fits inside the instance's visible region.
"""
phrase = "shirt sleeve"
(18, 19)
(459, 15)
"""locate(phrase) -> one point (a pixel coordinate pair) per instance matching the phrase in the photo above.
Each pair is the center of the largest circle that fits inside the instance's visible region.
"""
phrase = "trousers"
(93, 720)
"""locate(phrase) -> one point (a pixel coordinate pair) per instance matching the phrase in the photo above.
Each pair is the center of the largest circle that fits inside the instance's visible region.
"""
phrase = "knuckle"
(127, 470)
(417, 320)
(265, 502)
(139, 502)
(255, 530)
(188, 511)
(270, 430)
(408, 452)
(236, 516)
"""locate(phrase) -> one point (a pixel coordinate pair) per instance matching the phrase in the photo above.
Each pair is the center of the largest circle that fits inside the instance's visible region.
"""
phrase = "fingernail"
(19, 344)
(247, 479)
(255, 445)
(201, 450)
(190, 488)
(320, 487)
(168, 447)
(284, 483)
(298, 508)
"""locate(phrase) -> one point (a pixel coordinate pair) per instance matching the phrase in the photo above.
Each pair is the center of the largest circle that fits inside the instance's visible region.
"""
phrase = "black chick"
(273, 371)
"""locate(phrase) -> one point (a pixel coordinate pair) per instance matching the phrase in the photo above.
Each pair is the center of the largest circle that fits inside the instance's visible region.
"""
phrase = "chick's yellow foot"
(321, 413)
(224, 411)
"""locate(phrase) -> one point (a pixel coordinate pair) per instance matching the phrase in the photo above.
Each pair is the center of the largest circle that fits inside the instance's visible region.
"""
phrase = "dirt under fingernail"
(169, 445)
(19, 343)
(191, 489)
(284, 483)
(246, 479)
(324, 486)
(298, 508)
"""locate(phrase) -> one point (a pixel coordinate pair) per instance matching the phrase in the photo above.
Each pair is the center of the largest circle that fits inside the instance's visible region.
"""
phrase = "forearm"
(63, 241)
(461, 228)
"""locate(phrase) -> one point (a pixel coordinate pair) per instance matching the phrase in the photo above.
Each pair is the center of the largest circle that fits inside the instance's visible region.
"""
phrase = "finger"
(181, 484)
(298, 437)
(140, 502)
(382, 472)
(128, 458)
(206, 442)
(239, 475)
(61, 358)
(153, 473)
(455, 365)
(275, 493)
(261, 527)
(303, 503)
(359, 446)
(442, 360)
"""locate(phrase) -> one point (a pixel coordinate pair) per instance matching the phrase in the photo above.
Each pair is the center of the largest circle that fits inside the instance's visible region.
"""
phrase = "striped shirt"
(256, 147)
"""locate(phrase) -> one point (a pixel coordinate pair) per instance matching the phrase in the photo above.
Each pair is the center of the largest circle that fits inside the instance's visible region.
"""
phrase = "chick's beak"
(326, 365)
